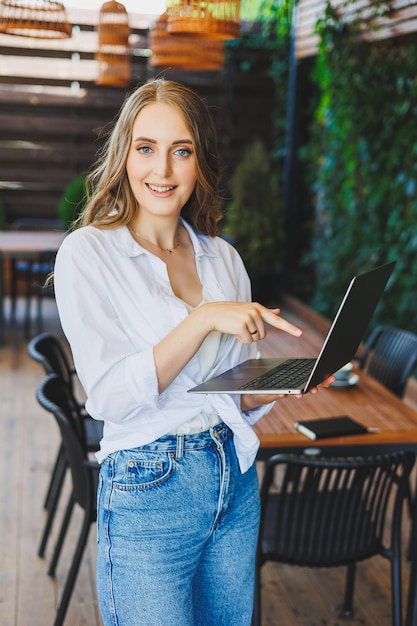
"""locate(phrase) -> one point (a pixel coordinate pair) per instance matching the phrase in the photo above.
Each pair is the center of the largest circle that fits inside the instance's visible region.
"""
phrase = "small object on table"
(338, 426)
(345, 377)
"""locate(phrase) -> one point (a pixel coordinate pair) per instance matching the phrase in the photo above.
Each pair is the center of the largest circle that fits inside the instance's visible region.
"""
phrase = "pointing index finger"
(279, 322)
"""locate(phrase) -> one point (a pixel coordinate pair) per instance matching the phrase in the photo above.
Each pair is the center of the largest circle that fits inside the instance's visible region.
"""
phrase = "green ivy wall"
(363, 167)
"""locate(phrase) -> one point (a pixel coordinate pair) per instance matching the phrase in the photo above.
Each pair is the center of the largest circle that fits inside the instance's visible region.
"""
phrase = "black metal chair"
(328, 512)
(390, 356)
(55, 396)
(49, 351)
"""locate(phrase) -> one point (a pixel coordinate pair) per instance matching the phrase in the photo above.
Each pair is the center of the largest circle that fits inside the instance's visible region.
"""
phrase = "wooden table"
(23, 244)
(368, 402)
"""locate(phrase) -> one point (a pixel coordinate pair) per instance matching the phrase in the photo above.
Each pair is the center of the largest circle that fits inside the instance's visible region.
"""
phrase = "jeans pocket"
(142, 470)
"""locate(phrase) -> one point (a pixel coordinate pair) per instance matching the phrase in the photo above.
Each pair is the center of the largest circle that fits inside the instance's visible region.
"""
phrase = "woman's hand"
(244, 320)
(251, 401)
(325, 383)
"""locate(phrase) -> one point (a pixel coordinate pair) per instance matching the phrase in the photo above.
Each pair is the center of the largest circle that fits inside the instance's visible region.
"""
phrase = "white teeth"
(160, 189)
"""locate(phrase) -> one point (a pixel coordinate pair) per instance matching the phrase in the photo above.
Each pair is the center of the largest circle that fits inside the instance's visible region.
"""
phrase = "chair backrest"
(323, 512)
(389, 356)
(54, 395)
(47, 350)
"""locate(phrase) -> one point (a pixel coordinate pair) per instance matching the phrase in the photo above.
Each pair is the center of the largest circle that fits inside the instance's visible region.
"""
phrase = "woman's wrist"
(203, 319)
(249, 401)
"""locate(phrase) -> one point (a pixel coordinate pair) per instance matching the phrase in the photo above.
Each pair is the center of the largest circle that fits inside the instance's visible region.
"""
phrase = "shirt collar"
(203, 244)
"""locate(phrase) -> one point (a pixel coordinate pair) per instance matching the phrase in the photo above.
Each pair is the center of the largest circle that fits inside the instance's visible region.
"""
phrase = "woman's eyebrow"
(182, 141)
(174, 143)
(145, 139)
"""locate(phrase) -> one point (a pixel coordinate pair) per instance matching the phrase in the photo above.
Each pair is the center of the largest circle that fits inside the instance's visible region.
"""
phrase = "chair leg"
(48, 525)
(39, 318)
(27, 321)
(40, 295)
(13, 291)
(52, 506)
(396, 564)
(410, 500)
(411, 610)
(396, 591)
(61, 537)
(350, 584)
(72, 575)
(412, 544)
(57, 477)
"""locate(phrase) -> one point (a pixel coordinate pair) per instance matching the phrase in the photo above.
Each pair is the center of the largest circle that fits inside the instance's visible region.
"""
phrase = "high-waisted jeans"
(177, 531)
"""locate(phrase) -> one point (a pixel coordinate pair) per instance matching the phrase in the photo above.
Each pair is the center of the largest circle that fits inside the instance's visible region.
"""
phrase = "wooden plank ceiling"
(400, 20)
(54, 117)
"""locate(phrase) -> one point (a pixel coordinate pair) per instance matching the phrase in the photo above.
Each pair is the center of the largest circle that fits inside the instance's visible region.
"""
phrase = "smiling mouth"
(160, 189)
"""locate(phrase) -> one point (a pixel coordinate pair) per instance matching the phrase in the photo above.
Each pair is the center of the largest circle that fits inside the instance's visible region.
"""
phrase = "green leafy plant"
(73, 200)
(254, 220)
(363, 150)
(271, 33)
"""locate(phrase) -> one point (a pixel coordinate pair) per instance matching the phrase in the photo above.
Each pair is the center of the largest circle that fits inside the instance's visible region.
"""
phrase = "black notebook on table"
(325, 427)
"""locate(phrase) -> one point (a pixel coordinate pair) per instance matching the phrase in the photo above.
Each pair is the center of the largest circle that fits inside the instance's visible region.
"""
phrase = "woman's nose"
(163, 166)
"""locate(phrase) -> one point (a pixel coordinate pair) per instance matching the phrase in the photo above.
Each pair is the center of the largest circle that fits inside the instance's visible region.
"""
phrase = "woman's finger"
(269, 316)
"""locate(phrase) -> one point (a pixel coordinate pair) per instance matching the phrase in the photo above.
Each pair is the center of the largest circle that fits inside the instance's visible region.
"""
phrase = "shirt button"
(131, 464)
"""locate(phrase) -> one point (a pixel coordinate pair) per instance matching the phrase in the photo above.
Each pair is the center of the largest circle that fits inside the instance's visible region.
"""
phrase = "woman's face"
(161, 165)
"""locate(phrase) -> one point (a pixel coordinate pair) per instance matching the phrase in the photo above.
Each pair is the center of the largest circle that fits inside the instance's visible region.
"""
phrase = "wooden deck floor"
(28, 444)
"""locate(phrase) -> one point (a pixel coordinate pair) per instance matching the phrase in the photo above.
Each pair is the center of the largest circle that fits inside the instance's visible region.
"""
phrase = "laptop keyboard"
(291, 374)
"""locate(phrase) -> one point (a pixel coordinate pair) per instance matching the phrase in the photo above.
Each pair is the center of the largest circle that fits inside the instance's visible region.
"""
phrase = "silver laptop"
(297, 376)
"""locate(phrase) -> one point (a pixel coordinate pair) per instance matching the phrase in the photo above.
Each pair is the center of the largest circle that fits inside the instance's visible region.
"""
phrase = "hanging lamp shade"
(183, 52)
(34, 18)
(113, 25)
(113, 54)
(114, 69)
(218, 19)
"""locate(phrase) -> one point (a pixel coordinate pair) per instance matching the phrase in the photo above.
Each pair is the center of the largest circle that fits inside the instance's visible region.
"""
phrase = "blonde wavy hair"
(111, 202)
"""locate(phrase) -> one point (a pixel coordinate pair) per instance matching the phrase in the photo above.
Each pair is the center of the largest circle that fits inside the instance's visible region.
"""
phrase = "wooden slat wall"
(52, 114)
(53, 118)
(45, 143)
(401, 20)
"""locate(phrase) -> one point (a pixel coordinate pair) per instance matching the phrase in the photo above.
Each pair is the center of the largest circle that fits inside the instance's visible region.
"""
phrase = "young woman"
(152, 302)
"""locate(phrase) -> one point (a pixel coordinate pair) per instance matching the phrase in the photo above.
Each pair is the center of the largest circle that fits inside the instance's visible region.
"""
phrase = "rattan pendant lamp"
(113, 53)
(183, 52)
(215, 19)
(34, 18)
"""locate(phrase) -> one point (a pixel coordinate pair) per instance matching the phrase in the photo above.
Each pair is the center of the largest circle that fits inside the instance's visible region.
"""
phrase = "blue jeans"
(177, 531)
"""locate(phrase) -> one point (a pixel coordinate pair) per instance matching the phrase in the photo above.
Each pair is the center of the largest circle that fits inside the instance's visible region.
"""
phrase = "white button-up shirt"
(115, 304)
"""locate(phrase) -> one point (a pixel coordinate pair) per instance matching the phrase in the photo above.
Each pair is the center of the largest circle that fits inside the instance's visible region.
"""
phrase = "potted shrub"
(73, 200)
(254, 220)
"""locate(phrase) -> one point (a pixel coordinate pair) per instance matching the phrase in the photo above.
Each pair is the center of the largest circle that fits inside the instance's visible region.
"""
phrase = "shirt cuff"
(254, 415)
(141, 377)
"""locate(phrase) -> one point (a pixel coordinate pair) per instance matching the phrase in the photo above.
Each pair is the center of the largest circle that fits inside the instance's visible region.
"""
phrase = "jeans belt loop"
(179, 450)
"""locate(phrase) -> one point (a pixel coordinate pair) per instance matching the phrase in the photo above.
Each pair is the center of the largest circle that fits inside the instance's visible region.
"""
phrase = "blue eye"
(145, 149)
(183, 152)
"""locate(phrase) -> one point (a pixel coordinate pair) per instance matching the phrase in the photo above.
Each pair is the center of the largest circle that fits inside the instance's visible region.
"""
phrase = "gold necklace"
(170, 250)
